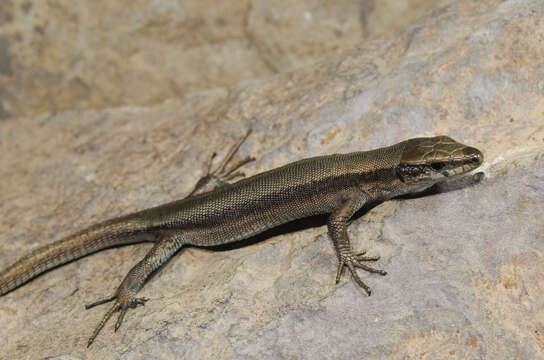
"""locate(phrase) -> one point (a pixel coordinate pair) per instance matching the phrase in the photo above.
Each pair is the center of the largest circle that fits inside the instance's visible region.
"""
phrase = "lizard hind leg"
(125, 296)
(225, 172)
(230, 173)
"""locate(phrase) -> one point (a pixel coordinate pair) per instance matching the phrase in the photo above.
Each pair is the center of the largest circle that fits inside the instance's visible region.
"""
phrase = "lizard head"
(434, 159)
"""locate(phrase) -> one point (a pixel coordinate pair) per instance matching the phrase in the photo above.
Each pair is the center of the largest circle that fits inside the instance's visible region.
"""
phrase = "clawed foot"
(223, 173)
(353, 261)
(121, 304)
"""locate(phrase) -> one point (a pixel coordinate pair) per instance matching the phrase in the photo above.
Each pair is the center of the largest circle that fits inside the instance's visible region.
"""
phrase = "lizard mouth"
(458, 171)
(471, 159)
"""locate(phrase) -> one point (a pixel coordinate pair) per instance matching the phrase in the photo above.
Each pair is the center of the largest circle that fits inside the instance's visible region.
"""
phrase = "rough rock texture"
(465, 267)
(64, 54)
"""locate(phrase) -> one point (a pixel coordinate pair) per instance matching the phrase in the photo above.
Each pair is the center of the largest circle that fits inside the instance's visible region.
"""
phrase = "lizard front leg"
(125, 295)
(337, 227)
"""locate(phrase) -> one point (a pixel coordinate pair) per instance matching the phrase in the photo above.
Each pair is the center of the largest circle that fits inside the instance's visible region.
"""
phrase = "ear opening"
(399, 171)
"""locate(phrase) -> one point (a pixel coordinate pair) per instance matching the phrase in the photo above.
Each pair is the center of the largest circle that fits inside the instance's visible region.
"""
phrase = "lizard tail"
(119, 231)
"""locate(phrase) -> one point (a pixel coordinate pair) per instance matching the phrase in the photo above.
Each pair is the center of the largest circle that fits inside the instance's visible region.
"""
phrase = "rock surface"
(465, 267)
(65, 54)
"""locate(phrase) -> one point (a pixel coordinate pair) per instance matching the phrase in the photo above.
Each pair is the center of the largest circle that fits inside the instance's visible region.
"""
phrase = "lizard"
(217, 212)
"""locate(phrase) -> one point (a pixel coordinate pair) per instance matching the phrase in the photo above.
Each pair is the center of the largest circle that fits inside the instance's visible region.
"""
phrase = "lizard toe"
(122, 303)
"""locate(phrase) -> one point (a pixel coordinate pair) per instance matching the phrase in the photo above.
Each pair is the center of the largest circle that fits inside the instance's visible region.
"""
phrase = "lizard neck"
(376, 172)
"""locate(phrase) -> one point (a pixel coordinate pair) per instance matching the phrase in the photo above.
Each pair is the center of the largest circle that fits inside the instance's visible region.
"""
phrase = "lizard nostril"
(475, 155)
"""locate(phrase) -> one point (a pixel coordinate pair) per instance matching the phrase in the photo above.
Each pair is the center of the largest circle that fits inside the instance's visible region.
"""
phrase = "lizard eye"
(437, 166)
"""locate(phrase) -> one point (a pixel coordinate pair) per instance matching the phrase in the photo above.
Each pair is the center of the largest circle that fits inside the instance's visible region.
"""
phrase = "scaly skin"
(338, 185)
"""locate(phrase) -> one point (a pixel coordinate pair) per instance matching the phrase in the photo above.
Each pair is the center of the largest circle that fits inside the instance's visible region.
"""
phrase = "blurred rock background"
(465, 267)
(64, 54)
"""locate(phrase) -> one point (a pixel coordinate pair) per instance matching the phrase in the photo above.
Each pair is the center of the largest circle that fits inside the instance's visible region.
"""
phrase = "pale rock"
(466, 267)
